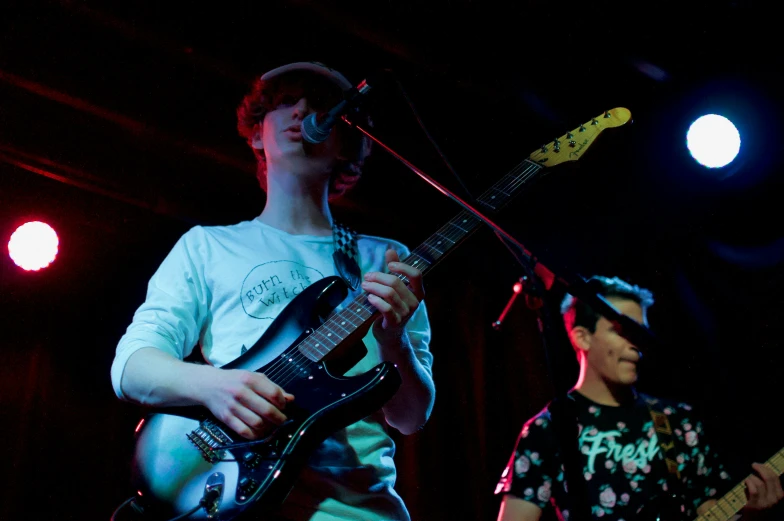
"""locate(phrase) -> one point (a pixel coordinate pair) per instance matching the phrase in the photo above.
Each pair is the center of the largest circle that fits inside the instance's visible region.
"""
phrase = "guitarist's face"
(280, 136)
(611, 357)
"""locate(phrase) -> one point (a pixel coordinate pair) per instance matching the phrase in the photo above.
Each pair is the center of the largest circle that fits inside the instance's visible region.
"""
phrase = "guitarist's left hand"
(762, 490)
(393, 298)
(410, 408)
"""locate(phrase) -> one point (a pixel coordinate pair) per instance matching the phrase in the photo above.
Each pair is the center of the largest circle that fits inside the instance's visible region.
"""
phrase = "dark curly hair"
(321, 94)
(577, 313)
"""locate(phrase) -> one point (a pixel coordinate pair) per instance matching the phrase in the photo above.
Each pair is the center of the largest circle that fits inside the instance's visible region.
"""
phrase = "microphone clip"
(316, 130)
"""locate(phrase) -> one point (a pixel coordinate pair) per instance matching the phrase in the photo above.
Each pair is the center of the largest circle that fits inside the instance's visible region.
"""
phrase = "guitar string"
(512, 179)
(508, 185)
(712, 511)
(285, 369)
(300, 357)
(290, 370)
(739, 495)
(531, 163)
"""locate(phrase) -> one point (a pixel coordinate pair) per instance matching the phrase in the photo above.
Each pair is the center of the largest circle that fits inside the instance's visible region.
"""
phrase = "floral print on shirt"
(621, 457)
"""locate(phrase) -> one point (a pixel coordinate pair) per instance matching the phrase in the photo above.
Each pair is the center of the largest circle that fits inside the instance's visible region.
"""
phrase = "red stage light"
(33, 246)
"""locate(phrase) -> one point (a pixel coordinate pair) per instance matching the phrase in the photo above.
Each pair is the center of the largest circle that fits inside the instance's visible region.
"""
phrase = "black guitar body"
(186, 460)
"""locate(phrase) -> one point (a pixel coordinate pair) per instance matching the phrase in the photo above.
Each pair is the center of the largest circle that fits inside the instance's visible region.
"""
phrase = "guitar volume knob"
(250, 459)
(246, 486)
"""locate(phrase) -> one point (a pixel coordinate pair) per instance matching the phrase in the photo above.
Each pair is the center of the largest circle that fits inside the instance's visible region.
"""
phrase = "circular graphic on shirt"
(271, 286)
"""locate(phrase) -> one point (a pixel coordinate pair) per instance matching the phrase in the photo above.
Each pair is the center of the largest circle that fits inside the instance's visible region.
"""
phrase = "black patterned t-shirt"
(621, 457)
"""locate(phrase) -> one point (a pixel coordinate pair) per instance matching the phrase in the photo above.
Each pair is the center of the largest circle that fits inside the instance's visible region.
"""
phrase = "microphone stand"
(575, 284)
(563, 411)
(539, 278)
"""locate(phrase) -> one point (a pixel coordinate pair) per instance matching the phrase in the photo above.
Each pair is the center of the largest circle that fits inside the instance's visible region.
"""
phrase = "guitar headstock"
(572, 145)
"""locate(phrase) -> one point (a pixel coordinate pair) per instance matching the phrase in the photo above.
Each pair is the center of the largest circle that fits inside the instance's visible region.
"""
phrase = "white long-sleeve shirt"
(220, 288)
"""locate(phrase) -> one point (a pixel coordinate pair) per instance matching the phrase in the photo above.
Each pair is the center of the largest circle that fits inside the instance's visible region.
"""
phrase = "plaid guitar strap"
(346, 256)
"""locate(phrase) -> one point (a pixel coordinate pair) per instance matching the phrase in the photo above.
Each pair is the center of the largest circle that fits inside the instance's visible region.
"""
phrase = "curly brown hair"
(263, 97)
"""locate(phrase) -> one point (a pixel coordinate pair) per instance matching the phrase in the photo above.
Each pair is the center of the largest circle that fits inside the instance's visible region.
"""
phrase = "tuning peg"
(582, 128)
(556, 145)
(607, 114)
(569, 135)
(544, 148)
(594, 122)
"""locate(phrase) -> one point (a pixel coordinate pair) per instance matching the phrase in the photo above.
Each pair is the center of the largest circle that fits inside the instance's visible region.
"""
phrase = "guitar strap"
(563, 414)
(346, 256)
(661, 424)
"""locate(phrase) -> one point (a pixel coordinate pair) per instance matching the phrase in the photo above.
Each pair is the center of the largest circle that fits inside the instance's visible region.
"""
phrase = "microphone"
(316, 130)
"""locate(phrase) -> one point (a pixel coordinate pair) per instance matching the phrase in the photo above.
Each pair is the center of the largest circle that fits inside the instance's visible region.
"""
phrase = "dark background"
(117, 127)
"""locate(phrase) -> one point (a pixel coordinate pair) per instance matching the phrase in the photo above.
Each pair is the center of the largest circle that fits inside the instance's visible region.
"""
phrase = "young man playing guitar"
(615, 443)
(222, 286)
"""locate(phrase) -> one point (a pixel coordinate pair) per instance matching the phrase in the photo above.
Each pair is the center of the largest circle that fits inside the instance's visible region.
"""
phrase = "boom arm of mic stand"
(635, 332)
(435, 184)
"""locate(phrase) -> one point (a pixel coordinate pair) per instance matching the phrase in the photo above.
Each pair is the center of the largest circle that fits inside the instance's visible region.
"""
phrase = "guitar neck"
(424, 257)
(734, 500)
(358, 314)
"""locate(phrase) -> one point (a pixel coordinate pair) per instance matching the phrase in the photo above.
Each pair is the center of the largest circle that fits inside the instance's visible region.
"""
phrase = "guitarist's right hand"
(247, 402)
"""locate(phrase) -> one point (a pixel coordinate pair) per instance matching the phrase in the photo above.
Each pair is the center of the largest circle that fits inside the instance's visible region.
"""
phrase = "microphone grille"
(311, 131)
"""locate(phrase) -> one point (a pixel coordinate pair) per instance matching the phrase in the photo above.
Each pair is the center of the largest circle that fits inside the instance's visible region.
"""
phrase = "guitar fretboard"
(731, 503)
(424, 257)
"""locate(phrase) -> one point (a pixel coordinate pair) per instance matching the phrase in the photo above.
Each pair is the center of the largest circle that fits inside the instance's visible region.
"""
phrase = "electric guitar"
(187, 464)
(667, 508)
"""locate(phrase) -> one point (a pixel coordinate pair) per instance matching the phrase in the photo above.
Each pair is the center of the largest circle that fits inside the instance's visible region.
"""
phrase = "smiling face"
(608, 356)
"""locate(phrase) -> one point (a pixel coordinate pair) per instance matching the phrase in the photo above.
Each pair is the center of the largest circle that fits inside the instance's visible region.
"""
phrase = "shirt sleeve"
(703, 472)
(418, 325)
(418, 328)
(532, 471)
(173, 312)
